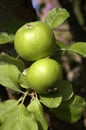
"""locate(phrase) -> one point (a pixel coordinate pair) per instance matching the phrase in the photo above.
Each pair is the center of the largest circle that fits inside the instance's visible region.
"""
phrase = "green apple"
(34, 40)
(44, 74)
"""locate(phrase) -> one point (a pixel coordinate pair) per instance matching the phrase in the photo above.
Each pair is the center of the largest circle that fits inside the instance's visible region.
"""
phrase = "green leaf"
(56, 16)
(51, 100)
(70, 111)
(6, 38)
(36, 108)
(23, 81)
(6, 107)
(9, 76)
(79, 47)
(65, 90)
(5, 58)
(19, 119)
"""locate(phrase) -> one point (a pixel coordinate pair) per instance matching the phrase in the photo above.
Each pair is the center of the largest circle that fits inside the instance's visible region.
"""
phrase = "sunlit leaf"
(6, 107)
(56, 16)
(79, 47)
(19, 119)
(5, 58)
(36, 108)
(23, 81)
(9, 76)
(51, 98)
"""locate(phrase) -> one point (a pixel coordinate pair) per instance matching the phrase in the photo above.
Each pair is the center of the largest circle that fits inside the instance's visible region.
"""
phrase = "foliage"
(5, 37)
(61, 101)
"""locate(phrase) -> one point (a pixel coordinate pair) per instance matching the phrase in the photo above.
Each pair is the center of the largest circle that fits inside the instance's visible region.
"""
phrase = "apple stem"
(23, 99)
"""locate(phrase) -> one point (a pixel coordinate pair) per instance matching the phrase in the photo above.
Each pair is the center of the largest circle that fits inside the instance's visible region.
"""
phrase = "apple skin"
(44, 74)
(34, 40)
